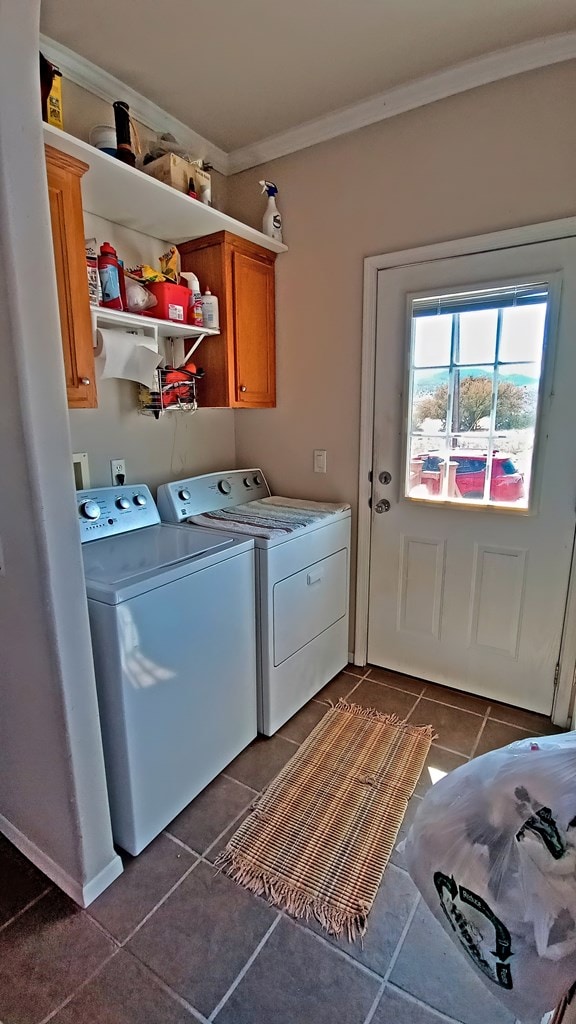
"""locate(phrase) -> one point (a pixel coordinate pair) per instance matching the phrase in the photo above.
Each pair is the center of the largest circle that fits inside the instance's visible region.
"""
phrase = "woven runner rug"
(319, 838)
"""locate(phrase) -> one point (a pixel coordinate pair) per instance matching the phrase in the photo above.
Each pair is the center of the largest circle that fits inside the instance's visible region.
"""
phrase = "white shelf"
(127, 196)
(163, 328)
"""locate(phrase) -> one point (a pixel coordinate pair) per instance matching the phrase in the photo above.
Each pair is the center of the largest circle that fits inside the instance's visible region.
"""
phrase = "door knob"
(382, 506)
(385, 477)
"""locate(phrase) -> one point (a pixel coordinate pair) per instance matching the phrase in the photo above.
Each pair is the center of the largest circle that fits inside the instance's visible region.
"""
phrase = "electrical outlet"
(118, 471)
(319, 460)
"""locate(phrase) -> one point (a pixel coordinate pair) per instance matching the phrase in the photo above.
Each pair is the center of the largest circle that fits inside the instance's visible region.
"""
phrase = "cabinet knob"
(85, 381)
(243, 387)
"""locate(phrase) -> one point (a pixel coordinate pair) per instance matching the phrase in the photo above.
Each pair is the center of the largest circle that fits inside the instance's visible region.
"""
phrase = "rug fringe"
(280, 893)
(427, 731)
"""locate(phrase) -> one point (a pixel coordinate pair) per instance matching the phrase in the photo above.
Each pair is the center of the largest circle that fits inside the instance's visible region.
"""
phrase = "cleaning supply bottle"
(195, 315)
(109, 273)
(272, 219)
(210, 310)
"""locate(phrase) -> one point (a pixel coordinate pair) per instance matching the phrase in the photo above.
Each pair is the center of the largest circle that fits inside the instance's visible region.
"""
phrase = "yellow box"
(54, 104)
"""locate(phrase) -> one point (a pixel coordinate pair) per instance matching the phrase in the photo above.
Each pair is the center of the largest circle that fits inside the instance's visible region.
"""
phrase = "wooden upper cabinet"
(64, 176)
(240, 363)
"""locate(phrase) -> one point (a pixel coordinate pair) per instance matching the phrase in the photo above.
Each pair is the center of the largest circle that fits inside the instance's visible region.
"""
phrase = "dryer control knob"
(257, 479)
(122, 503)
(224, 486)
(184, 494)
(247, 481)
(90, 510)
(140, 500)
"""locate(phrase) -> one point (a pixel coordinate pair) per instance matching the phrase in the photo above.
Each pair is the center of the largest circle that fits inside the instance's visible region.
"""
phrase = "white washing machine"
(302, 579)
(173, 635)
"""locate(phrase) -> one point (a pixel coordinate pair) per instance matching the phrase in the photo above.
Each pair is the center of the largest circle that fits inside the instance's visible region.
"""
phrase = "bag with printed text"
(493, 851)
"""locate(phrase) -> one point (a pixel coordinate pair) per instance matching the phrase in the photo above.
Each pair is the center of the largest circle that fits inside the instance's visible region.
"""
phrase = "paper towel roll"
(126, 356)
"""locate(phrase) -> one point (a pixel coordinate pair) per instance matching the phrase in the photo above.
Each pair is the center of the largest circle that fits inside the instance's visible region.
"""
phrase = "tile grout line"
(425, 1006)
(32, 903)
(159, 904)
(402, 938)
(375, 1004)
(301, 924)
(481, 730)
(169, 990)
(237, 781)
(80, 987)
(245, 969)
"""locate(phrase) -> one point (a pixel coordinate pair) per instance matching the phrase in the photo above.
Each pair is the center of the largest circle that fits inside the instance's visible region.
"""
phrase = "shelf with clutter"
(131, 343)
(129, 197)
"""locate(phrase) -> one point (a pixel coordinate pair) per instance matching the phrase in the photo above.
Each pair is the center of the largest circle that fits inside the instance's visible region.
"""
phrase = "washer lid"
(117, 561)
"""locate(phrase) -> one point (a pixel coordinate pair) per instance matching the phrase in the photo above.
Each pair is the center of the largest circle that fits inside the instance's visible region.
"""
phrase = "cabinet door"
(254, 334)
(72, 282)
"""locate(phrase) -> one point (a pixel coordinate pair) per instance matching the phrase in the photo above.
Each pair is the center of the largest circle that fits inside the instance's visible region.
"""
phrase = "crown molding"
(97, 81)
(492, 67)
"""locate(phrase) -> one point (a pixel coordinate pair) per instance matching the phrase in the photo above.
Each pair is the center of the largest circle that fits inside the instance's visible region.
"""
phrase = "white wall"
(53, 801)
(492, 158)
(176, 445)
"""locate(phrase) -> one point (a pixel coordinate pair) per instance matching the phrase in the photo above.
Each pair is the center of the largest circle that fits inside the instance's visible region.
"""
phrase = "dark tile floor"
(172, 942)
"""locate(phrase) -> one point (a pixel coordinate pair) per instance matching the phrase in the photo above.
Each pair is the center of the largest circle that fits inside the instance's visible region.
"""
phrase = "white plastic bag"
(493, 851)
(138, 298)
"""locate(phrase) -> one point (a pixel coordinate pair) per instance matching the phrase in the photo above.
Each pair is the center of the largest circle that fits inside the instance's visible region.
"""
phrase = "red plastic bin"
(173, 301)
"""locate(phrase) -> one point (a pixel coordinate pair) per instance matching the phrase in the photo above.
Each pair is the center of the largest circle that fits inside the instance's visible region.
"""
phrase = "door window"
(476, 361)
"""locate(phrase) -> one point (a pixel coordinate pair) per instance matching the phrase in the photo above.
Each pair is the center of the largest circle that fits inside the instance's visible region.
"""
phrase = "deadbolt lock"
(385, 477)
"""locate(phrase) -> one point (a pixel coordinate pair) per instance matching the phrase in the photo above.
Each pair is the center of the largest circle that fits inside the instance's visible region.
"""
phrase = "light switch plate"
(319, 460)
(81, 471)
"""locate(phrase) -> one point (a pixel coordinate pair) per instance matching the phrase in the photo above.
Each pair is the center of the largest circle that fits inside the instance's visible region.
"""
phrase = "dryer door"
(308, 602)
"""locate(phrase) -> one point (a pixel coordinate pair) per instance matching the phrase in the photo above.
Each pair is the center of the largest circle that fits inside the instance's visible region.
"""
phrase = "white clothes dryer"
(302, 579)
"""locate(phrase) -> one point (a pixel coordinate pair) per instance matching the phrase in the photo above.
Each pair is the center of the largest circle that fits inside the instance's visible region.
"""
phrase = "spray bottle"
(272, 220)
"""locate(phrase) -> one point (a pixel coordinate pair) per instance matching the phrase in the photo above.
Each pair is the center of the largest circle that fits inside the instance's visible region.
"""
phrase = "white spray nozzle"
(269, 187)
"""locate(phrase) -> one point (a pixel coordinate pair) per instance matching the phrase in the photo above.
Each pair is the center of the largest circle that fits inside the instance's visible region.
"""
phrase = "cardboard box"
(55, 104)
(175, 171)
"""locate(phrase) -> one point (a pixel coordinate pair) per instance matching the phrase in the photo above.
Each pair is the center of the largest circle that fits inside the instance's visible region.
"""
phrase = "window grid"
(454, 368)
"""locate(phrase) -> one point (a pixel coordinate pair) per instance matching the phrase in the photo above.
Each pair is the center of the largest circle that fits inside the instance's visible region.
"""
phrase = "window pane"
(430, 401)
(477, 342)
(517, 400)
(523, 333)
(432, 340)
(425, 471)
(474, 384)
(472, 401)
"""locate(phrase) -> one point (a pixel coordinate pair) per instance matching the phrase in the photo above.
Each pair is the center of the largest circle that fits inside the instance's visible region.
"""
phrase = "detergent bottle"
(272, 220)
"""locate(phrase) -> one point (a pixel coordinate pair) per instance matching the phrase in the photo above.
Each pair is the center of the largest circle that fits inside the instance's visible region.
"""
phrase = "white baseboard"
(82, 893)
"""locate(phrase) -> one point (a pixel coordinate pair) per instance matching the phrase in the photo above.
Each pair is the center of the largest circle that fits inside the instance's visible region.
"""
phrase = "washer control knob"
(184, 494)
(140, 500)
(122, 503)
(90, 509)
(247, 481)
(224, 486)
(257, 479)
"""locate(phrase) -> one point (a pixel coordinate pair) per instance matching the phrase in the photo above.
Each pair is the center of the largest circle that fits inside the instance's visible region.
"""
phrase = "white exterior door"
(474, 470)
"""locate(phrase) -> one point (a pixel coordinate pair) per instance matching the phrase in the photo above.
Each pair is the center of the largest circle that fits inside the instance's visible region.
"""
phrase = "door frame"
(547, 231)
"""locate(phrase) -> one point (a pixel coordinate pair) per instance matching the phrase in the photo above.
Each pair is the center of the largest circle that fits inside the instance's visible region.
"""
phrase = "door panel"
(469, 567)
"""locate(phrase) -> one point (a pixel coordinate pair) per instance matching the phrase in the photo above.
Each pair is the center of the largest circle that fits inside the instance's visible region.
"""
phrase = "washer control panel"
(108, 511)
(182, 499)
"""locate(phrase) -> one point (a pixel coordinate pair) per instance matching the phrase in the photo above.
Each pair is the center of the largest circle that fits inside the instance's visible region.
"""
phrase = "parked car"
(507, 483)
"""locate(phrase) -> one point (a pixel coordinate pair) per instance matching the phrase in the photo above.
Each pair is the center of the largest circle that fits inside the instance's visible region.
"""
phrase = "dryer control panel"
(108, 511)
(198, 494)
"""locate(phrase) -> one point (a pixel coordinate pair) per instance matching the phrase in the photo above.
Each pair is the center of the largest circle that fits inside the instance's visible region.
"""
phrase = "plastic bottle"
(210, 310)
(272, 219)
(109, 273)
(195, 314)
